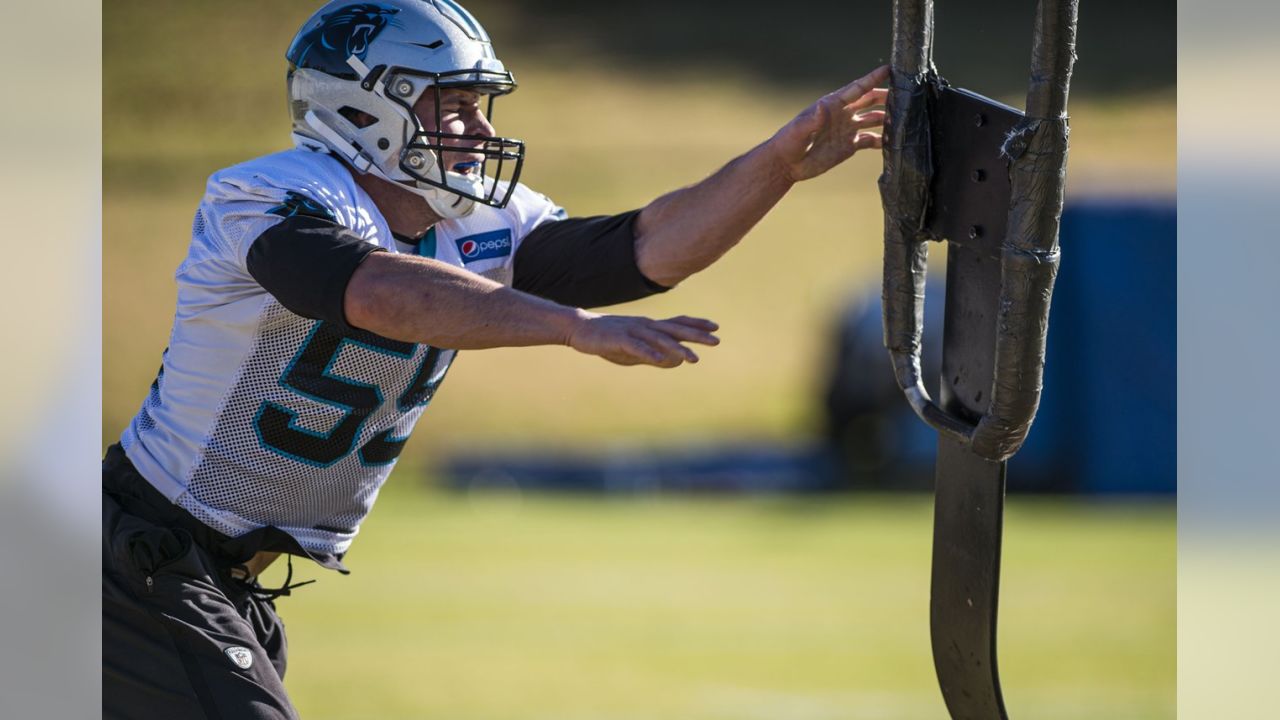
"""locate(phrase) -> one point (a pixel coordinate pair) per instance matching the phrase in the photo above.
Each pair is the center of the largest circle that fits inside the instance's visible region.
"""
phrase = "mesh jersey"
(262, 417)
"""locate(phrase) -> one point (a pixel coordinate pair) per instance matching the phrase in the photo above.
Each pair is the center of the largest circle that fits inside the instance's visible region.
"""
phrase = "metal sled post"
(989, 181)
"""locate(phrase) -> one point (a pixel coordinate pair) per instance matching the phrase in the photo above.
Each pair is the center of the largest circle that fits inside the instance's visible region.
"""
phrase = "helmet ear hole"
(359, 118)
(383, 143)
(402, 87)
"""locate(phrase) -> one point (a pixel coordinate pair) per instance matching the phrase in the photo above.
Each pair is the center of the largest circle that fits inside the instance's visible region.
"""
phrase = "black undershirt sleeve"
(584, 262)
(305, 262)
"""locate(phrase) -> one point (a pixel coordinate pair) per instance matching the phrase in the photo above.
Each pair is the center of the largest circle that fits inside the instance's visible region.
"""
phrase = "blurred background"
(746, 537)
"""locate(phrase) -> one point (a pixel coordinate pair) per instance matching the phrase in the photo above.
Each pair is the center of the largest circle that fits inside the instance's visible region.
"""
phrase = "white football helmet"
(378, 59)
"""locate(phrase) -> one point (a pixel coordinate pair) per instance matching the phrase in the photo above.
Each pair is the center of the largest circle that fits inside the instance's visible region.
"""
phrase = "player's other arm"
(321, 270)
(422, 300)
(687, 230)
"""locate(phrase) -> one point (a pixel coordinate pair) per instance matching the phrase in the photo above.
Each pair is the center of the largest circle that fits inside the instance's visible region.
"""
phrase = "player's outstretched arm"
(687, 230)
(419, 300)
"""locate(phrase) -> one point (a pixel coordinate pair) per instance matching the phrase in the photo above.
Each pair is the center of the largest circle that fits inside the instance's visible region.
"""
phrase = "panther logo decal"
(298, 204)
(347, 31)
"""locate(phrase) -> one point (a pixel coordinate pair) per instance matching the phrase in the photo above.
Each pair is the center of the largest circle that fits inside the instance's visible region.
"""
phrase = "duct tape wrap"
(1053, 53)
(904, 191)
(1036, 150)
(1029, 266)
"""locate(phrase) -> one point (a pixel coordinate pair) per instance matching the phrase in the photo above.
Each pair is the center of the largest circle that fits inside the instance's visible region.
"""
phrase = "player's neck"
(406, 212)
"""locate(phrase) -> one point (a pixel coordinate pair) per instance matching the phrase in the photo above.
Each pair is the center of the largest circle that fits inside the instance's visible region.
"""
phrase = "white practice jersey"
(262, 417)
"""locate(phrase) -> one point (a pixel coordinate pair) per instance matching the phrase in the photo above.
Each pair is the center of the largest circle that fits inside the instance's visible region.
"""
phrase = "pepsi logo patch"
(485, 246)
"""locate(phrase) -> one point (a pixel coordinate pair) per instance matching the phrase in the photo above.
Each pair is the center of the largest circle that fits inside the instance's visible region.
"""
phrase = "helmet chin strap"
(447, 205)
(445, 202)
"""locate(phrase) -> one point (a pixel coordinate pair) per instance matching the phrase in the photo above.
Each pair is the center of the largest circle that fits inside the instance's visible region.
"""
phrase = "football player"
(325, 294)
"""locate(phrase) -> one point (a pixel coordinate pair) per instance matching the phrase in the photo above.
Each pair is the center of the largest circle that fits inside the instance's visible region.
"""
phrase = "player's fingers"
(634, 351)
(866, 140)
(864, 84)
(623, 347)
(868, 119)
(876, 96)
(671, 350)
(646, 352)
(688, 333)
(700, 323)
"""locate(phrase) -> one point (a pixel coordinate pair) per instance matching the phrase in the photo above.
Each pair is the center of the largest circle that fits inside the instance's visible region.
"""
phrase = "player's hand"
(832, 129)
(628, 340)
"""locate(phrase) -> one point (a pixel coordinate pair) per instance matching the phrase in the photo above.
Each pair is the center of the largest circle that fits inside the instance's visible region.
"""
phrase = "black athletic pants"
(181, 637)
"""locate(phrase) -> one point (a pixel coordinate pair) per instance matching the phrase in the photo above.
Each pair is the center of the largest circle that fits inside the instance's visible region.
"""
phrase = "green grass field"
(492, 607)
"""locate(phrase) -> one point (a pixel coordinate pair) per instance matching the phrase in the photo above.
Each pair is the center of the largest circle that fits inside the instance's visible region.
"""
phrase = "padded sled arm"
(904, 191)
(1037, 151)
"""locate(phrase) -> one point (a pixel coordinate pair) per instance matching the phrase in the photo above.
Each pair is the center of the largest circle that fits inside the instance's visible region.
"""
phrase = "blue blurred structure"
(1108, 416)
(732, 468)
(1107, 419)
